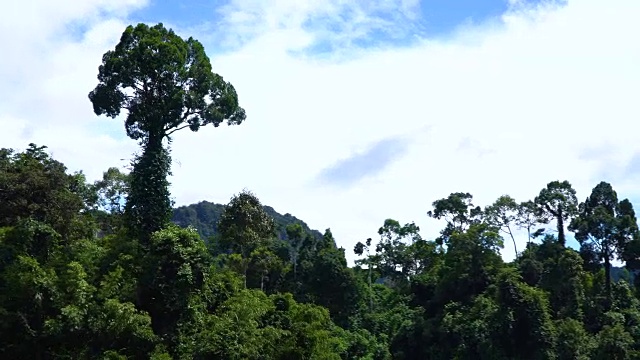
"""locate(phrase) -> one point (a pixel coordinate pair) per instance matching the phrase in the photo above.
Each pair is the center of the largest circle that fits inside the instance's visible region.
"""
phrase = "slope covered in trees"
(204, 217)
(99, 271)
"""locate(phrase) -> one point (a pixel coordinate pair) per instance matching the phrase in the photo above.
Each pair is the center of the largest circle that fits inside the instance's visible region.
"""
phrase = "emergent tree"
(558, 201)
(165, 84)
(605, 224)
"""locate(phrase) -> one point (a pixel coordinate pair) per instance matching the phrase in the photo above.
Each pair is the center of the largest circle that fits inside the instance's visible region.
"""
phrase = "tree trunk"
(515, 248)
(244, 263)
(245, 277)
(148, 207)
(607, 276)
(561, 239)
(370, 288)
(261, 283)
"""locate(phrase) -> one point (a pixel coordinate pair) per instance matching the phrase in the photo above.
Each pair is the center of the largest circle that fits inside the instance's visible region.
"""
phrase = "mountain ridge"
(204, 216)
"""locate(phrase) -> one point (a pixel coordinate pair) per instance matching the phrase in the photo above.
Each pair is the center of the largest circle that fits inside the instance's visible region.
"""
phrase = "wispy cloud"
(611, 162)
(473, 146)
(327, 26)
(51, 53)
(632, 168)
(347, 172)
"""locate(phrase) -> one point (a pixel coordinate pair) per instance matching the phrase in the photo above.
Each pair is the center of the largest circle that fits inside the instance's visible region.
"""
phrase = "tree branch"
(176, 129)
(550, 210)
(188, 112)
(25, 322)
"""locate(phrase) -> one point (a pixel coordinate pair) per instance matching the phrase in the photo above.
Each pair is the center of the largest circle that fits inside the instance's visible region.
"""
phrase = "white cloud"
(533, 92)
(51, 53)
(337, 23)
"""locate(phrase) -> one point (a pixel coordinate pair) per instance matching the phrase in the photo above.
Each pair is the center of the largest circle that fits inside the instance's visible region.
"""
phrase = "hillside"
(204, 216)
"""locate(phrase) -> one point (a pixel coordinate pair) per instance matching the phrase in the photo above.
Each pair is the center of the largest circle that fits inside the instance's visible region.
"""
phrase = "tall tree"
(244, 226)
(359, 249)
(296, 237)
(459, 213)
(391, 250)
(503, 213)
(174, 271)
(35, 186)
(265, 261)
(165, 84)
(607, 225)
(111, 191)
(558, 200)
(529, 215)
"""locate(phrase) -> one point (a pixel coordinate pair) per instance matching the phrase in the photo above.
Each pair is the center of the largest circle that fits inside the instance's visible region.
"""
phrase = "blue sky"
(358, 111)
(181, 13)
(410, 20)
(435, 17)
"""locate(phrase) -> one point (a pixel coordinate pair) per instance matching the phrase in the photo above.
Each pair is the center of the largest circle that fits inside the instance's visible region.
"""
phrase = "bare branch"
(176, 129)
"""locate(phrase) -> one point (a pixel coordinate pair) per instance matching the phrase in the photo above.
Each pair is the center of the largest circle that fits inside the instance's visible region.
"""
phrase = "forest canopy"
(110, 270)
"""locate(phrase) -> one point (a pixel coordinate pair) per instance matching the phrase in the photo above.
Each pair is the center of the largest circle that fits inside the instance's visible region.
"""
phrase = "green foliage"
(327, 281)
(252, 325)
(459, 213)
(614, 343)
(528, 216)
(111, 193)
(172, 82)
(34, 186)
(563, 279)
(148, 207)
(244, 223)
(205, 217)
(112, 190)
(173, 274)
(606, 225)
(244, 227)
(574, 342)
(557, 201)
(503, 214)
(470, 264)
(525, 329)
(469, 330)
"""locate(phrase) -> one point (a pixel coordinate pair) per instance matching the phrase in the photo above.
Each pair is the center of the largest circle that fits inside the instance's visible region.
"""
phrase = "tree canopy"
(165, 84)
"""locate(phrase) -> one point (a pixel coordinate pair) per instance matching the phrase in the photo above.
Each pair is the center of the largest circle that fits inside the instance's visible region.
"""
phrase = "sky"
(357, 111)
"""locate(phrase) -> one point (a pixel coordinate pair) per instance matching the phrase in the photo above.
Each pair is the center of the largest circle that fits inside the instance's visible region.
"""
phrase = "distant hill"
(204, 216)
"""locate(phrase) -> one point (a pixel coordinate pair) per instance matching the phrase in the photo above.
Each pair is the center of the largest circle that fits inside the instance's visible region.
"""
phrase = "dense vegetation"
(99, 271)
